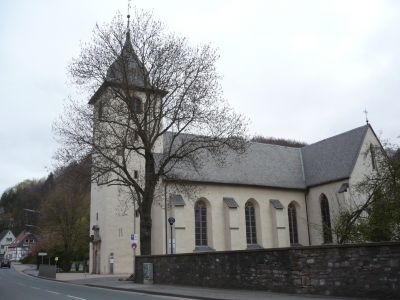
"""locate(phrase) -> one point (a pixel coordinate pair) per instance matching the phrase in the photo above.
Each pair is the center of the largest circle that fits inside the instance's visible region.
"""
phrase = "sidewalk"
(113, 282)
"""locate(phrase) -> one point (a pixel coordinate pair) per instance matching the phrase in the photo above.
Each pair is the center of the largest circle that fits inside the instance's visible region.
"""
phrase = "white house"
(271, 196)
(6, 238)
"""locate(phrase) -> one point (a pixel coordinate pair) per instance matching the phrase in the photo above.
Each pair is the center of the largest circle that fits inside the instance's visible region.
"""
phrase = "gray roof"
(334, 158)
(177, 200)
(261, 165)
(268, 165)
(276, 203)
(4, 233)
(127, 67)
(230, 202)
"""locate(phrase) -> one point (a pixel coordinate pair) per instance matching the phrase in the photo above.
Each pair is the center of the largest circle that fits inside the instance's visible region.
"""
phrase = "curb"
(128, 290)
(152, 293)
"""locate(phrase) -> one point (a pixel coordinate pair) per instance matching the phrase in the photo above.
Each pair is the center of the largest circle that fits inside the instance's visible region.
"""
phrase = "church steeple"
(127, 68)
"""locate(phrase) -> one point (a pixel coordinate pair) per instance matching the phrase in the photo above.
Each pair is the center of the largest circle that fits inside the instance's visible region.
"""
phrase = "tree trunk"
(145, 229)
(146, 205)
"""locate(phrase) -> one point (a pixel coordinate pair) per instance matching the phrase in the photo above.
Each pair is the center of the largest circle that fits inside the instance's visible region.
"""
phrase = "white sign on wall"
(134, 238)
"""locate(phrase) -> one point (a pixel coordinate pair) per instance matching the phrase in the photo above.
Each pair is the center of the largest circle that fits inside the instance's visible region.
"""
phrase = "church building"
(269, 197)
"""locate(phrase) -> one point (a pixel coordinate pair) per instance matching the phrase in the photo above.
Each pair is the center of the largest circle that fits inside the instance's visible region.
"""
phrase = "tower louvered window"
(251, 233)
(200, 216)
(294, 239)
(326, 220)
(136, 106)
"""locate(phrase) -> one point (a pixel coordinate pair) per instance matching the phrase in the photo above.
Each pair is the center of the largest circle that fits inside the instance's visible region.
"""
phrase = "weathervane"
(128, 16)
(366, 115)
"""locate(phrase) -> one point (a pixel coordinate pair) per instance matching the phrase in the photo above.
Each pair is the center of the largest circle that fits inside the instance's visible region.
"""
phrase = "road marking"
(21, 284)
(35, 288)
(52, 292)
(76, 297)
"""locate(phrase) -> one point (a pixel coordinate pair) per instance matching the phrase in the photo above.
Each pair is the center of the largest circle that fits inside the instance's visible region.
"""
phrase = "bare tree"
(157, 100)
(65, 214)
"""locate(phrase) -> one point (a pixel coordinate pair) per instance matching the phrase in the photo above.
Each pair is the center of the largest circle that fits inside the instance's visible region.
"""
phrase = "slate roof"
(334, 158)
(268, 165)
(126, 71)
(127, 66)
(261, 165)
(177, 200)
(230, 202)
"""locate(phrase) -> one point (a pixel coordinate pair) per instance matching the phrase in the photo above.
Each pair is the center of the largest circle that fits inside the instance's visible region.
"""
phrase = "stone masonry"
(354, 270)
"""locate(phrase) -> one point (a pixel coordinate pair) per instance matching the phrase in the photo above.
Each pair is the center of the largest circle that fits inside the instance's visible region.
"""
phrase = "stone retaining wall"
(356, 270)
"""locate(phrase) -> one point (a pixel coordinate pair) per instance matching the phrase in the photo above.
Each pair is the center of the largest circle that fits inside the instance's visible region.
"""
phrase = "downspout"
(305, 196)
(165, 214)
(308, 224)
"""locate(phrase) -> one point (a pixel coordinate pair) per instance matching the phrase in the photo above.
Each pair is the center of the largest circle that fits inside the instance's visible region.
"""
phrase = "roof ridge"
(274, 145)
(334, 136)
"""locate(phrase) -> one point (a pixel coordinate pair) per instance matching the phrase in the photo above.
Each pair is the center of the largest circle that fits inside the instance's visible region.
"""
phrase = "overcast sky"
(303, 70)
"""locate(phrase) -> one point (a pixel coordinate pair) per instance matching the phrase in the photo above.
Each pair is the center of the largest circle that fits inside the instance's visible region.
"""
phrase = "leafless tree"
(155, 101)
(64, 215)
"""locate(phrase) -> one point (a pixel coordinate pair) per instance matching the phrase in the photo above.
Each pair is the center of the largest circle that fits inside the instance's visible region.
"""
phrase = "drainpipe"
(308, 224)
(165, 208)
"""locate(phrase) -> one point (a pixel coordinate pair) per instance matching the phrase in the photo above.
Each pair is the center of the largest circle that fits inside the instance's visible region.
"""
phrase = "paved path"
(114, 282)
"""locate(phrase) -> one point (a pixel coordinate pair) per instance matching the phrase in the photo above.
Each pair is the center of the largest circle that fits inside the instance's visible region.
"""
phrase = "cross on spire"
(366, 115)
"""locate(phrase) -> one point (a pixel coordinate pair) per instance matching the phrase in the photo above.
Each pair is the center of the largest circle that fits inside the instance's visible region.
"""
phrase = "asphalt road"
(14, 285)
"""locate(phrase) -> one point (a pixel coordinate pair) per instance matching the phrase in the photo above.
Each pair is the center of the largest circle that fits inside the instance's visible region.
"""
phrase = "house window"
(200, 217)
(294, 239)
(251, 233)
(9, 239)
(326, 220)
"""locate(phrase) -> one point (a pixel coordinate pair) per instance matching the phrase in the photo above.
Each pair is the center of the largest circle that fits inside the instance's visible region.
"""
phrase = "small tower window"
(100, 109)
(136, 174)
(136, 106)
(373, 158)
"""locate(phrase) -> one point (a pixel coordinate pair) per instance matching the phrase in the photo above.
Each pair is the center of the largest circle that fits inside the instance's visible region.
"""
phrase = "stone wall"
(356, 270)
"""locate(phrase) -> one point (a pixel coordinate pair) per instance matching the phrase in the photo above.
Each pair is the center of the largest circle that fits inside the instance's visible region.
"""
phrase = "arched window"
(200, 217)
(251, 233)
(294, 239)
(326, 220)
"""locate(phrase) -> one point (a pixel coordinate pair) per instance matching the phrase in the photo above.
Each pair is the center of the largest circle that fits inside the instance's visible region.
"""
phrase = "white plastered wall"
(226, 226)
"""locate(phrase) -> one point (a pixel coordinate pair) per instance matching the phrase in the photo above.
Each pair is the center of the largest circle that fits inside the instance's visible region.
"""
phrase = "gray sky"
(303, 70)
